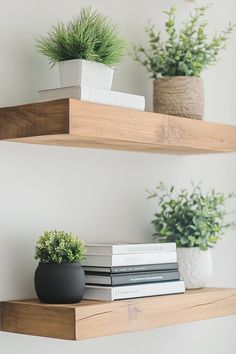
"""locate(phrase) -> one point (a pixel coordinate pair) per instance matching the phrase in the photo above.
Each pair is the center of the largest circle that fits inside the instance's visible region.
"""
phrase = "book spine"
(148, 248)
(90, 293)
(144, 258)
(95, 95)
(130, 259)
(107, 97)
(130, 279)
(144, 268)
(131, 269)
(127, 292)
(144, 278)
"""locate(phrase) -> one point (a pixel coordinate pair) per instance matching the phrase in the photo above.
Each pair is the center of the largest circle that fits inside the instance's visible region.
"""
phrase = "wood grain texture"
(90, 319)
(74, 123)
(45, 321)
(148, 131)
(34, 119)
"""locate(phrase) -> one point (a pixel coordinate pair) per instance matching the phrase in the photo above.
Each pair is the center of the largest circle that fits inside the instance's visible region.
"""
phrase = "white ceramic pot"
(87, 73)
(195, 266)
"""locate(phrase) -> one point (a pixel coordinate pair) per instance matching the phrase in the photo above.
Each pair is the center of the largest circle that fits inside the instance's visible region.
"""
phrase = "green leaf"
(183, 241)
(203, 247)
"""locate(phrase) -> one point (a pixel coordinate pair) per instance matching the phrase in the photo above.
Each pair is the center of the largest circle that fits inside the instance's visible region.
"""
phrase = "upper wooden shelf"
(90, 319)
(71, 122)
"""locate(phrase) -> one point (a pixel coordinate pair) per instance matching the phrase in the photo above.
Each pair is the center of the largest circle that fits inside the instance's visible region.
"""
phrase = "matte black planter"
(59, 283)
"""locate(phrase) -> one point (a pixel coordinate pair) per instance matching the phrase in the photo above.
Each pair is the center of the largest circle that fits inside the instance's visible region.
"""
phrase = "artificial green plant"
(186, 52)
(90, 36)
(59, 247)
(190, 218)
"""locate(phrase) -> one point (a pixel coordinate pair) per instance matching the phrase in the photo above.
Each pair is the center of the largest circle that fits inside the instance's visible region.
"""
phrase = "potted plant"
(59, 277)
(176, 65)
(87, 48)
(195, 221)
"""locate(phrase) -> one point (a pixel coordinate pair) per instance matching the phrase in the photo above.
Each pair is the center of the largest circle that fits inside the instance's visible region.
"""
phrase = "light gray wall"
(100, 194)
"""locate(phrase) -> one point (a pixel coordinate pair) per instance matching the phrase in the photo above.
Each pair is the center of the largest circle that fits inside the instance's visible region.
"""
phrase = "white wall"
(100, 194)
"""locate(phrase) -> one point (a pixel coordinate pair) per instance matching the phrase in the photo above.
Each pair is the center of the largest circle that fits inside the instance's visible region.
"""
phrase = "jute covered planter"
(195, 266)
(181, 96)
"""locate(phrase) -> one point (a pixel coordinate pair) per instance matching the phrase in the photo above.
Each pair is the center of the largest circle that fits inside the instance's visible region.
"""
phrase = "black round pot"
(59, 283)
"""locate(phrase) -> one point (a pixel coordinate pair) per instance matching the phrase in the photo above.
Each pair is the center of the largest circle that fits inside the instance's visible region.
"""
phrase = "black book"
(131, 278)
(131, 269)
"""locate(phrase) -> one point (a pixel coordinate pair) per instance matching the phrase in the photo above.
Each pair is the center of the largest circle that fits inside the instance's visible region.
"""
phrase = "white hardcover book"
(105, 293)
(127, 248)
(130, 259)
(96, 95)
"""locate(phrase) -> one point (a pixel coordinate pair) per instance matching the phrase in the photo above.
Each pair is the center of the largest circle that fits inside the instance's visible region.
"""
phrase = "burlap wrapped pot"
(181, 96)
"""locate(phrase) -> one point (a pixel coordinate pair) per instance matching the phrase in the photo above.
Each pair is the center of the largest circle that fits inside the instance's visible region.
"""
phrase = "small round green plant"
(59, 247)
(191, 219)
(90, 36)
(186, 52)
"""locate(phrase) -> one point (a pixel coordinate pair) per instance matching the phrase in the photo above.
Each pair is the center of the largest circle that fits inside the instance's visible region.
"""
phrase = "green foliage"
(91, 36)
(59, 247)
(191, 219)
(185, 53)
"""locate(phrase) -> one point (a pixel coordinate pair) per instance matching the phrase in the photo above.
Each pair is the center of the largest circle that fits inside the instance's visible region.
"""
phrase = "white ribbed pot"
(195, 266)
(85, 73)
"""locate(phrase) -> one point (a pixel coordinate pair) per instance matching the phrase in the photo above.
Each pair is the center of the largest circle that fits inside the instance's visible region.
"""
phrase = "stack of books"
(124, 271)
(95, 95)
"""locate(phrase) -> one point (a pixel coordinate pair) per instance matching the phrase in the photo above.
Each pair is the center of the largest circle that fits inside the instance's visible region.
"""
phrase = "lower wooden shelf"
(90, 319)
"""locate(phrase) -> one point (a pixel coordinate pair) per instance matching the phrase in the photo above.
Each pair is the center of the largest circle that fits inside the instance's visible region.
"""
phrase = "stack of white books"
(124, 271)
(95, 95)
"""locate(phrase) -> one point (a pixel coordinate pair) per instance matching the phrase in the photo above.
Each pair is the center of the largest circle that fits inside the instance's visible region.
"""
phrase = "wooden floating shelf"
(90, 319)
(70, 122)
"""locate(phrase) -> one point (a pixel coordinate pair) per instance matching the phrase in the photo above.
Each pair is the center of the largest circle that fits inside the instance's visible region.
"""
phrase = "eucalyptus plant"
(59, 247)
(90, 36)
(186, 52)
(191, 219)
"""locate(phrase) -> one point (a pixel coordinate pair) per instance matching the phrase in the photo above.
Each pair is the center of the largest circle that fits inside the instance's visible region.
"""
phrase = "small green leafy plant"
(185, 53)
(191, 219)
(59, 247)
(91, 36)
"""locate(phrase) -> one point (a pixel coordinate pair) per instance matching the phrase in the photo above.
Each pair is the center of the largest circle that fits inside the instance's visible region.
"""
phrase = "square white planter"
(85, 73)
